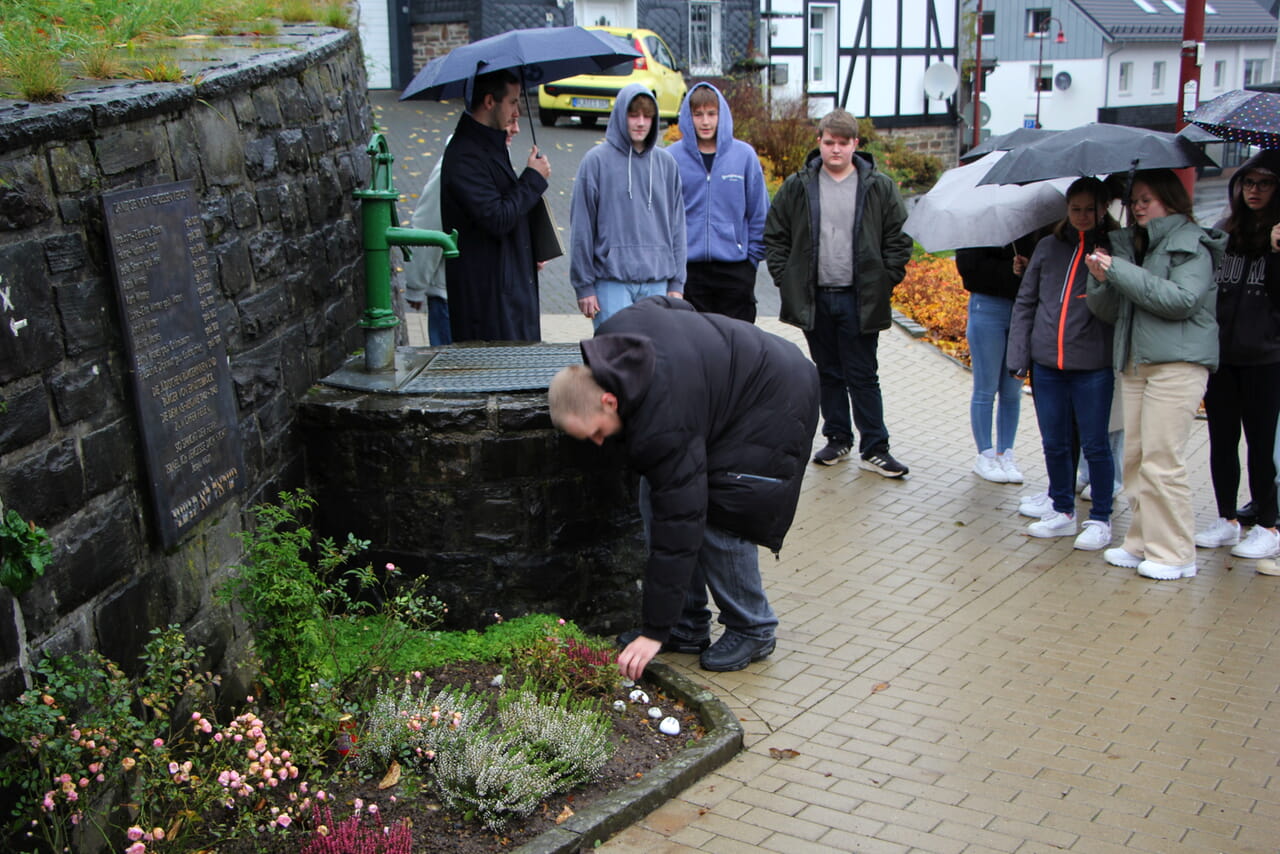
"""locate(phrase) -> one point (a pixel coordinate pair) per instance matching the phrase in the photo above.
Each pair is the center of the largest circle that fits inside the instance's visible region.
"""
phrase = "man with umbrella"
(493, 284)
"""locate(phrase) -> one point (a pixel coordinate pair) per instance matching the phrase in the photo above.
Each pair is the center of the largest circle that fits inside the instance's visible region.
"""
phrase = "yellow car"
(590, 96)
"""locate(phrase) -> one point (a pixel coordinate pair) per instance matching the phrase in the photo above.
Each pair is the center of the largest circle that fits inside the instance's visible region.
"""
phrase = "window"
(1220, 74)
(988, 25)
(704, 38)
(1157, 76)
(1037, 22)
(1126, 77)
(1255, 71)
(1042, 78)
(1145, 6)
(658, 50)
(823, 36)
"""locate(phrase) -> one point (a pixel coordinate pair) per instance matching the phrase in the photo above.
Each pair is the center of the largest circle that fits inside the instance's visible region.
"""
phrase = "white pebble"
(638, 696)
(619, 706)
(628, 683)
(497, 681)
(655, 712)
(670, 726)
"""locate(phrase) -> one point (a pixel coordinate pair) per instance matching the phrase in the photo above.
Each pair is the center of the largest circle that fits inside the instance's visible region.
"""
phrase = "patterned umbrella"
(1242, 116)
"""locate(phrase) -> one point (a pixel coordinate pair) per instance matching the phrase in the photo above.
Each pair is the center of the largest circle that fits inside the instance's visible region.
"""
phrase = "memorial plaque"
(178, 359)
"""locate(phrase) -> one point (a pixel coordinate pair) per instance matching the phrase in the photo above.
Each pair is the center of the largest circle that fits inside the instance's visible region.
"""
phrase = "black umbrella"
(1006, 141)
(1242, 116)
(536, 56)
(1095, 149)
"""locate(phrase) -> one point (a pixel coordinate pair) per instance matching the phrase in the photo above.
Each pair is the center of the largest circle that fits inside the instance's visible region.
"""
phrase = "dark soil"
(639, 748)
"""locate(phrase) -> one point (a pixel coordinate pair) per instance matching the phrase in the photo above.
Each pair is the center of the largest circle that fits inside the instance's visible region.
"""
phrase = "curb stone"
(624, 807)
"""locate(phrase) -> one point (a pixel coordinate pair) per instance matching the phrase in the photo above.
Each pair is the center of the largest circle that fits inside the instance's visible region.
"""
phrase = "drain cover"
(485, 369)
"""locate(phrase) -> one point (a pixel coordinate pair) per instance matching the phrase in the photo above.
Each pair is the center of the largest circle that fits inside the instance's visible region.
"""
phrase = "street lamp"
(1041, 34)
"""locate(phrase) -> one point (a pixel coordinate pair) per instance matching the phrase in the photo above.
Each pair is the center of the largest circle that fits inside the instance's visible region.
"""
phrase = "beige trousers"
(1160, 404)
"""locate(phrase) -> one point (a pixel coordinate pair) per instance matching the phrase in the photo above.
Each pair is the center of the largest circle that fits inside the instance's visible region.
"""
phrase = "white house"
(1068, 62)
(869, 58)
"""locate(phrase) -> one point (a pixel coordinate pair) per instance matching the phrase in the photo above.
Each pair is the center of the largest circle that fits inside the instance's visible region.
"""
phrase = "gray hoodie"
(627, 220)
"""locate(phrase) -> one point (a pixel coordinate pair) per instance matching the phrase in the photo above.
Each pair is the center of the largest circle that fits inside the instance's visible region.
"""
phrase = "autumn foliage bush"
(933, 295)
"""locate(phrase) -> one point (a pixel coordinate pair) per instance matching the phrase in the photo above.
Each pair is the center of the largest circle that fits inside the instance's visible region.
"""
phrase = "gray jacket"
(1164, 310)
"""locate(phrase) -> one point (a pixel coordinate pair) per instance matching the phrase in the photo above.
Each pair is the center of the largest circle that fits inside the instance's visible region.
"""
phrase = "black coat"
(719, 416)
(493, 284)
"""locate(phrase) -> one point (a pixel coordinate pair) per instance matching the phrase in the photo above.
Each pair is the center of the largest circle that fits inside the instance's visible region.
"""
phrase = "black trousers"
(1245, 396)
(722, 287)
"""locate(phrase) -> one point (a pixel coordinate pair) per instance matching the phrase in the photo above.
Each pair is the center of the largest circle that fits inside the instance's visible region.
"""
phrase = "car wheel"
(548, 117)
(589, 121)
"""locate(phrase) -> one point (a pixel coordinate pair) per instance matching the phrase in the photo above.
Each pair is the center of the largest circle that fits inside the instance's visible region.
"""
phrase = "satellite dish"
(984, 115)
(1062, 81)
(940, 80)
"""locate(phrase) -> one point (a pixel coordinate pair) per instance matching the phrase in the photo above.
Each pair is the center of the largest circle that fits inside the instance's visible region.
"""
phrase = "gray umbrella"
(1006, 141)
(1095, 149)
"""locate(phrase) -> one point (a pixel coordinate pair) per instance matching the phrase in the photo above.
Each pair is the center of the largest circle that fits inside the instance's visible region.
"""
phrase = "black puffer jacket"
(719, 416)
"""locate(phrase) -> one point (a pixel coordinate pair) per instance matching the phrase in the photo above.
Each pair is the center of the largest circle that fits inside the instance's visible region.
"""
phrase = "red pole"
(977, 82)
(1189, 75)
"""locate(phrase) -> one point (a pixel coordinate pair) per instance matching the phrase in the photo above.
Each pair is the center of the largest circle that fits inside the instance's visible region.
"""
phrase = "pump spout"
(448, 243)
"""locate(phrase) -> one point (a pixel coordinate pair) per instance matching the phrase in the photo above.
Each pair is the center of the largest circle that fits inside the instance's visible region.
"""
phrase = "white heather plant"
(574, 741)
(409, 725)
(493, 778)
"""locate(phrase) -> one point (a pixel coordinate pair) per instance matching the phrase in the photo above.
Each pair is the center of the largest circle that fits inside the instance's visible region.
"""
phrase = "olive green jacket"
(881, 250)
(1164, 310)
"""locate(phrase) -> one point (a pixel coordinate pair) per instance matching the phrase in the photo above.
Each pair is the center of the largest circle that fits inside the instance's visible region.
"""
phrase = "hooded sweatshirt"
(725, 206)
(1249, 285)
(627, 219)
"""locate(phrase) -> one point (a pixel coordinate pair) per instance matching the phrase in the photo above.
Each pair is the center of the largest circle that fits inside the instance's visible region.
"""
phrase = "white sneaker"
(1086, 494)
(1261, 543)
(1095, 536)
(987, 467)
(1036, 506)
(1010, 468)
(1120, 557)
(1054, 525)
(1221, 533)
(1165, 572)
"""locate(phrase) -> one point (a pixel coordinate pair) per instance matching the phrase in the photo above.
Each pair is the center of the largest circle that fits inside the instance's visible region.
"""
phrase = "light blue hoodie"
(725, 207)
(627, 219)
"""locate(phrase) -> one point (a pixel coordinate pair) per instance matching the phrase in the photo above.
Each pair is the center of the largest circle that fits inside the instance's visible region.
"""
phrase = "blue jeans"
(988, 336)
(730, 567)
(614, 296)
(848, 372)
(1087, 394)
(439, 332)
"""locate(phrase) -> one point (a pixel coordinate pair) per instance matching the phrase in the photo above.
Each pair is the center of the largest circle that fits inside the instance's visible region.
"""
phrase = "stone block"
(267, 107)
(79, 393)
(261, 158)
(25, 197)
(220, 145)
(294, 106)
(86, 312)
(72, 167)
(235, 271)
(262, 313)
(256, 374)
(110, 456)
(29, 331)
(26, 415)
(46, 485)
(293, 208)
(123, 148)
(183, 149)
(215, 213)
(64, 252)
(291, 147)
(324, 193)
(269, 203)
(244, 211)
(266, 253)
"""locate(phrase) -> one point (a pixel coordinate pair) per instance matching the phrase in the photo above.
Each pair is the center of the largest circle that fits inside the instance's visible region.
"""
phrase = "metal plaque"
(177, 357)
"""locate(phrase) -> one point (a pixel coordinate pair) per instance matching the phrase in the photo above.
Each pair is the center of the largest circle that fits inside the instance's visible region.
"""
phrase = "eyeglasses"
(1263, 184)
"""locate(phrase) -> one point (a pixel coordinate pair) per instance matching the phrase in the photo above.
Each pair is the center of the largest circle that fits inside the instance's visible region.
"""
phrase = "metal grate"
(486, 369)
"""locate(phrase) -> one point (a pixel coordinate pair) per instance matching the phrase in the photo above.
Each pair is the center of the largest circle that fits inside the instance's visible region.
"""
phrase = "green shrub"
(571, 738)
(410, 726)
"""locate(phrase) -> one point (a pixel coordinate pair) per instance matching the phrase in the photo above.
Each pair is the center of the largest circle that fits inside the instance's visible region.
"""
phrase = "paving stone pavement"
(952, 685)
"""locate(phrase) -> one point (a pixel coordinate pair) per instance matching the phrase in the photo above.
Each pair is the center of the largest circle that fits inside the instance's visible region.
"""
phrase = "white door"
(604, 13)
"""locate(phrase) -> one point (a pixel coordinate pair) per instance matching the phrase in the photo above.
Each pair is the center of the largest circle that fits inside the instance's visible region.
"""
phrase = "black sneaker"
(1247, 516)
(882, 463)
(833, 453)
(673, 644)
(734, 652)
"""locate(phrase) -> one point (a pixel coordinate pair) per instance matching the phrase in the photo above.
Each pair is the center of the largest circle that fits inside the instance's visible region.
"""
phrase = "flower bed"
(932, 295)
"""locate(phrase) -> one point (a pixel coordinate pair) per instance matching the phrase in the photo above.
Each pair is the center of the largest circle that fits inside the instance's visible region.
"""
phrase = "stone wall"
(432, 40)
(274, 142)
(940, 142)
